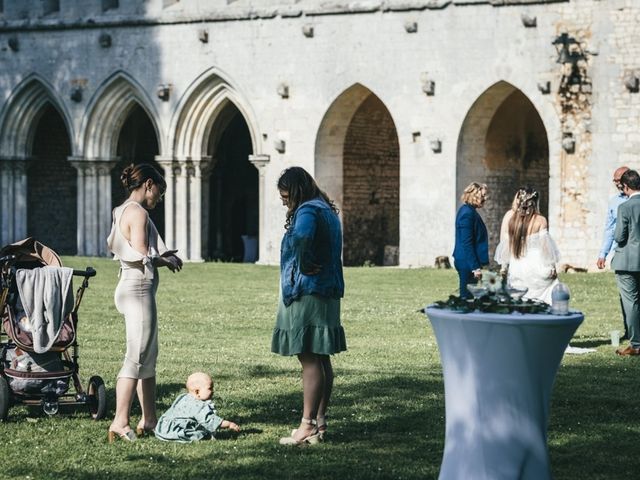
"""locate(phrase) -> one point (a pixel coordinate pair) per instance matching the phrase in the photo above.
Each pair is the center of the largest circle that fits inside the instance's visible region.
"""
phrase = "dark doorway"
(503, 143)
(233, 193)
(52, 215)
(371, 170)
(517, 153)
(137, 143)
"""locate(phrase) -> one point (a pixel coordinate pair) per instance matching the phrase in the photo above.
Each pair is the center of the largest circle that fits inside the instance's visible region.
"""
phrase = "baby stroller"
(28, 374)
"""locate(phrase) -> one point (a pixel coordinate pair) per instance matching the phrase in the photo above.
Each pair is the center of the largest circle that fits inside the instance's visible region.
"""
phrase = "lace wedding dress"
(535, 270)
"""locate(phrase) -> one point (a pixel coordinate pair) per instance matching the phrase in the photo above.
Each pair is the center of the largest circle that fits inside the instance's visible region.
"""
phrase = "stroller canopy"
(31, 250)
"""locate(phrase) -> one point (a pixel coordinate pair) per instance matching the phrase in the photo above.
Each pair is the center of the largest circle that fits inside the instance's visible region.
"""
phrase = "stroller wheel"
(50, 406)
(97, 398)
(5, 398)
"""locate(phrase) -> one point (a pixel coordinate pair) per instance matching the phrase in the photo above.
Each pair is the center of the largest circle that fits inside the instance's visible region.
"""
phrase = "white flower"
(492, 281)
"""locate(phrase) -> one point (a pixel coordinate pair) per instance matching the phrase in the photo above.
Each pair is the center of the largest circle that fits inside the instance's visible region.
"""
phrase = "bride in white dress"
(526, 250)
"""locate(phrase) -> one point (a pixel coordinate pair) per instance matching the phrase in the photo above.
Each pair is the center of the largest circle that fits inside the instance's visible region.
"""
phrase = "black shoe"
(624, 337)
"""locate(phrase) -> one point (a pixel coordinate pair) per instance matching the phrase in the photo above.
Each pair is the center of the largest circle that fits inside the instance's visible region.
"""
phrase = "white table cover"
(498, 372)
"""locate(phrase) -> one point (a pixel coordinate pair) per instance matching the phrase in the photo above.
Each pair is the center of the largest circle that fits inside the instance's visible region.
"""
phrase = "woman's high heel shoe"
(321, 422)
(128, 436)
(142, 431)
(311, 439)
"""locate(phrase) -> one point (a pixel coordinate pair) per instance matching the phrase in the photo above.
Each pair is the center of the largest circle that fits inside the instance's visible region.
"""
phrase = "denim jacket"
(313, 239)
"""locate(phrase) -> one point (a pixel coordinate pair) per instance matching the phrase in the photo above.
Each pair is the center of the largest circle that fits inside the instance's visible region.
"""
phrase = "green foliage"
(387, 413)
(492, 303)
(491, 295)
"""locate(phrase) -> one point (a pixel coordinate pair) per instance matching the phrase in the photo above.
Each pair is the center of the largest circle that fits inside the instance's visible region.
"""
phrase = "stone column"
(13, 199)
(20, 199)
(94, 204)
(182, 208)
(197, 171)
(169, 201)
(186, 206)
(260, 162)
(103, 170)
(206, 167)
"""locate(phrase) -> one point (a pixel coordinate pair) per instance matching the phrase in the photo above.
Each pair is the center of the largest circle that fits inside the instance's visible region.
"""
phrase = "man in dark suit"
(626, 260)
(471, 249)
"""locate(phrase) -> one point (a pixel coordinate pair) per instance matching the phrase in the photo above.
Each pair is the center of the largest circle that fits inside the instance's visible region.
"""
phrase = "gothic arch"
(107, 111)
(203, 105)
(357, 162)
(23, 109)
(503, 142)
(329, 146)
(208, 174)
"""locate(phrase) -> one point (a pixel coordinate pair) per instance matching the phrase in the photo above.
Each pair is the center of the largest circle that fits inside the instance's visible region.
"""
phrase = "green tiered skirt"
(311, 324)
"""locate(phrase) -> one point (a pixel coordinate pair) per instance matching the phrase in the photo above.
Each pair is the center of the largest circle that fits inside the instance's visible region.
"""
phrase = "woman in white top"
(526, 250)
(134, 241)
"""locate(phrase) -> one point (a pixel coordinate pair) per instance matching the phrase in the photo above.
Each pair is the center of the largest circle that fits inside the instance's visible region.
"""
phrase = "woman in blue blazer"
(471, 249)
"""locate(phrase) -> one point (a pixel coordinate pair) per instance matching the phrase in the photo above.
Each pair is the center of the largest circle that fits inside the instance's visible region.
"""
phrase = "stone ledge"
(246, 14)
(339, 8)
(406, 6)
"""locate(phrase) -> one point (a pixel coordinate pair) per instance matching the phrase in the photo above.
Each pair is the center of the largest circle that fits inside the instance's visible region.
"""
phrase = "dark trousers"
(624, 320)
(466, 277)
(629, 287)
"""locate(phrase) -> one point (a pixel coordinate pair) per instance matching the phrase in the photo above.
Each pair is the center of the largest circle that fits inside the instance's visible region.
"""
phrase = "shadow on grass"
(382, 426)
(18, 412)
(590, 343)
(266, 371)
(386, 426)
(594, 419)
(165, 393)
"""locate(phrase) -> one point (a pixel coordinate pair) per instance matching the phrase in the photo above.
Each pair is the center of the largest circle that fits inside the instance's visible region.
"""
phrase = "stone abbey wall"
(500, 91)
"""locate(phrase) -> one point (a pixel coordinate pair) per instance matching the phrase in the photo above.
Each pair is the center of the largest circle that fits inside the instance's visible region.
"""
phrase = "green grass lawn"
(387, 415)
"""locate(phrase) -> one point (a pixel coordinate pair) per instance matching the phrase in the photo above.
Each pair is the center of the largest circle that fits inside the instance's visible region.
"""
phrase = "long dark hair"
(134, 176)
(301, 187)
(525, 206)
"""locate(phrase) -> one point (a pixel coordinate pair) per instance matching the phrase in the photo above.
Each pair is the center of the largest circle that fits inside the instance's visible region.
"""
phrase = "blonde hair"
(197, 380)
(474, 194)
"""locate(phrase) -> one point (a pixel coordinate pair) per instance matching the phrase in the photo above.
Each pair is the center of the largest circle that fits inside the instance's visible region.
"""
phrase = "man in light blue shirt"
(608, 243)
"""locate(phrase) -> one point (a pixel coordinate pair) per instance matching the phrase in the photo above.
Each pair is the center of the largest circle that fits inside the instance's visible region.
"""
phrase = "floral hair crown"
(527, 200)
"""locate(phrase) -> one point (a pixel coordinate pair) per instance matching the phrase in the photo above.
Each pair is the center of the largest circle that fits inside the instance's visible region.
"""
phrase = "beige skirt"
(135, 298)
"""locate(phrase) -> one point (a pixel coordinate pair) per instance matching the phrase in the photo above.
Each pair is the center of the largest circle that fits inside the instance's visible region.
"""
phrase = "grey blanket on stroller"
(47, 298)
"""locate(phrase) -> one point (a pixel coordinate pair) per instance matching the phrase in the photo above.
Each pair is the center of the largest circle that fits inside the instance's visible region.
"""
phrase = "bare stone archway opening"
(233, 197)
(358, 164)
(137, 143)
(52, 186)
(504, 144)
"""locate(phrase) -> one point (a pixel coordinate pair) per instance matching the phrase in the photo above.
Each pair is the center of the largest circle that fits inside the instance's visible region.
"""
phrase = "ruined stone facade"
(393, 105)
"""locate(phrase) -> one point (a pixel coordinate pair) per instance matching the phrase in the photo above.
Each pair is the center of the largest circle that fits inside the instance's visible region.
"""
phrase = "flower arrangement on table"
(492, 295)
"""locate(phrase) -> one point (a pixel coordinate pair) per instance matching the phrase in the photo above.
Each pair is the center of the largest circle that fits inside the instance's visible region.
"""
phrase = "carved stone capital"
(206, 166)
(164, 160)
(259, 161)
(94, 166)
(17, 165)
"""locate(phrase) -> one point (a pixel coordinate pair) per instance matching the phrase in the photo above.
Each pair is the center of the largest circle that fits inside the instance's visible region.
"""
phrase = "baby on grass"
(192, 416)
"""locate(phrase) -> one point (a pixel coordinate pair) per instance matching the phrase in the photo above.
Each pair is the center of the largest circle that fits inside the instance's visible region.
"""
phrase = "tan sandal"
(311, 439)
(321, 422)
(128, 436)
